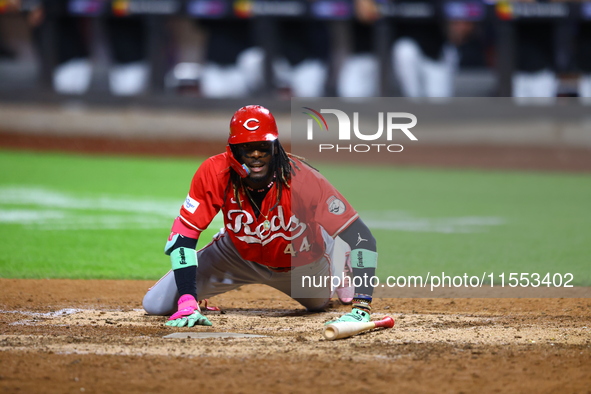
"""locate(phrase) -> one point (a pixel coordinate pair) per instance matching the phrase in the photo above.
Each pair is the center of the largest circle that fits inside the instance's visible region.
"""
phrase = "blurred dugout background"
(163, 71)
(224, 49)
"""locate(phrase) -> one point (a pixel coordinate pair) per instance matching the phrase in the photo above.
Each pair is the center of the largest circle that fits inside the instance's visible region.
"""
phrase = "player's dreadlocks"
(283, 167)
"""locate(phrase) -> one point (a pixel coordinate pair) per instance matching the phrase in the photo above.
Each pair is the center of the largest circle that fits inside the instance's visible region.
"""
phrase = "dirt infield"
(60, 336)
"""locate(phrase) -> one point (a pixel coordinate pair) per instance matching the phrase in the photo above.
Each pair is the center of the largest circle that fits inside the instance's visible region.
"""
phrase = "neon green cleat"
(356, 315)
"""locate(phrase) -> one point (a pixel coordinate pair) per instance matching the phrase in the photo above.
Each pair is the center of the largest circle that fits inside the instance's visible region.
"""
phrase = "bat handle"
(386, 322)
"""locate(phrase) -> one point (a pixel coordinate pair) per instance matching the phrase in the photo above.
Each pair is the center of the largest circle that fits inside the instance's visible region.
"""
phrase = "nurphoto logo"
(351, 131)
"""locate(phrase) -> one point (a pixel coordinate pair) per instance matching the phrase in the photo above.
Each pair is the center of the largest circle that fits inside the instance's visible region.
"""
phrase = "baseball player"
(280, 220)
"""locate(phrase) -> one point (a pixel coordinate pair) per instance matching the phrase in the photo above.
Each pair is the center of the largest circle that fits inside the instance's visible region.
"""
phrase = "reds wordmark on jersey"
(294, 236)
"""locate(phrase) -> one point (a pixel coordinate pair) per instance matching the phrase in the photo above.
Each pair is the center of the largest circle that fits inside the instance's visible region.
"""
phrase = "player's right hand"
(188, 314)
(195, 318)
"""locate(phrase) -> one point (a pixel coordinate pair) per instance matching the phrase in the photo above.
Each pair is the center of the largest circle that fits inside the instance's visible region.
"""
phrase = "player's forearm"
(363, 264)
(363, 261)
(183, 257)
(186, 282)
(184, 266)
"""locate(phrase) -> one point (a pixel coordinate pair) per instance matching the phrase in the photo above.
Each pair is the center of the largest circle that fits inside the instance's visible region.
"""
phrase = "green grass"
(546, 220)
(109, 217)
(32, 250)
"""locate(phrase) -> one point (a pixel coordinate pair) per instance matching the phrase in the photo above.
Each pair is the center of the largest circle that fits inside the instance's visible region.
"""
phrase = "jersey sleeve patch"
(190, 204)
(336, 206)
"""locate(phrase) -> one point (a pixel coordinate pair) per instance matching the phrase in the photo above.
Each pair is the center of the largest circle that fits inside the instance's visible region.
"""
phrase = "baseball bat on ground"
(347, 329)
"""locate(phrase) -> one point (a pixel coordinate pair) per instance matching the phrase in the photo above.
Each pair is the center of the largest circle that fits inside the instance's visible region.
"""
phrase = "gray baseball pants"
(221, 269)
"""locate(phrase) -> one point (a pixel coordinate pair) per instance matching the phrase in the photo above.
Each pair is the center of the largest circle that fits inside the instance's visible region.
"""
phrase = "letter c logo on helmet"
(251, 128)
(252, 123)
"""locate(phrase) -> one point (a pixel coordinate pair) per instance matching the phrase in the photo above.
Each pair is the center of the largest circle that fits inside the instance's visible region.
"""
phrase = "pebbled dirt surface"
(92, 336)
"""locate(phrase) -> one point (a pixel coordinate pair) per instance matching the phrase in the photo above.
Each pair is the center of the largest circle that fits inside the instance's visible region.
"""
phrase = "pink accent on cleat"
(208, 308)
(345, 294)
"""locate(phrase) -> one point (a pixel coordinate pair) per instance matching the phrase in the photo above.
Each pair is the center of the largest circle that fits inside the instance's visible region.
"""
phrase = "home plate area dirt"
(72, 336)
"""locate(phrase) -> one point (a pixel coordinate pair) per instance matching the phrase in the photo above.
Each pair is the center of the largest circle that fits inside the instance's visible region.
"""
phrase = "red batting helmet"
(252, 123)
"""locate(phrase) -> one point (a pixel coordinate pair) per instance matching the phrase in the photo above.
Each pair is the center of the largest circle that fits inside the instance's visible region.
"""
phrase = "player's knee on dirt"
(162, 298)
(155, 304)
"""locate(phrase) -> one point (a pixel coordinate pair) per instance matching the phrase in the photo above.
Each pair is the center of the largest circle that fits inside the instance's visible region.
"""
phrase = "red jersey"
(292, 236)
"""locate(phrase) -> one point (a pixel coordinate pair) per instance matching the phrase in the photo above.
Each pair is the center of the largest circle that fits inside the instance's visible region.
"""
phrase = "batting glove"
(356, 315)
(188, 314)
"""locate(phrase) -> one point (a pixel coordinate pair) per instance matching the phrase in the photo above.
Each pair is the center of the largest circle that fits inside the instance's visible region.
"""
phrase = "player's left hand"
(356, 315)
